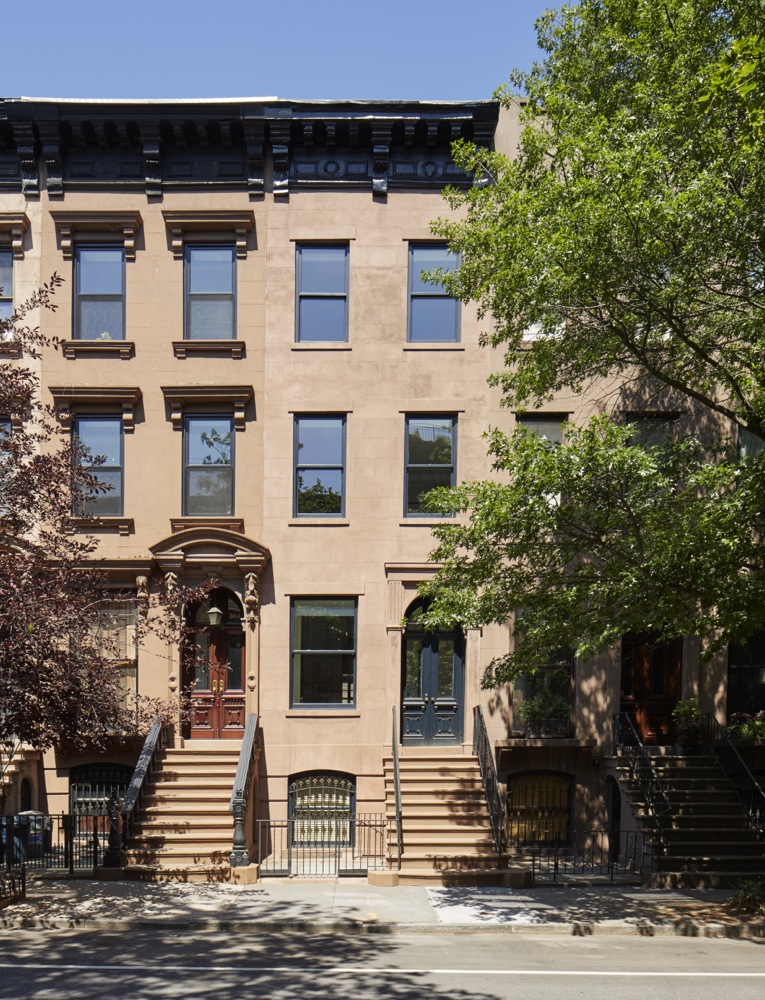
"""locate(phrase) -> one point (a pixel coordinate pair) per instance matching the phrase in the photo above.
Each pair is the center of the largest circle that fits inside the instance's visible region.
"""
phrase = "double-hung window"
(322, 293)
(99, 293)
(749, 444)
(547, 427)
(323, 651)
(6, 289)
(319, 465)
(208, 465)
(430, 458)
(434, 315)
(98, 444)
(210, 300)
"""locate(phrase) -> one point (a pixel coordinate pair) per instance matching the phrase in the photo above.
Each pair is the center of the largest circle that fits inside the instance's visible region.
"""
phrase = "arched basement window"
(322, 807)
(538, 808)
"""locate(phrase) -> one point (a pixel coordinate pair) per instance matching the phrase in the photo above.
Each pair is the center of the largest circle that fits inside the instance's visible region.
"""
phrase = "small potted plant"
(687, 718)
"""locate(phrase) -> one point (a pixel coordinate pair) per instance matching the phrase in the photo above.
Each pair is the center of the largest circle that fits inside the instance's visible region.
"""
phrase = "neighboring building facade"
(246, 339)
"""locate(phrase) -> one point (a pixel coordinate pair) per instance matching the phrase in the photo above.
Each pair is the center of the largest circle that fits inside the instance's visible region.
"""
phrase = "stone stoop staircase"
(10, 770)
(447, 837)
(710, 840)
(185, 829)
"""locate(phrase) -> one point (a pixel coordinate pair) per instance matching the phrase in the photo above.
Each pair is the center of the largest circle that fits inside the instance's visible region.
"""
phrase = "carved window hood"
(13, 226)
(70, 399)
(70, 225)
(179, 397)
(219, 223)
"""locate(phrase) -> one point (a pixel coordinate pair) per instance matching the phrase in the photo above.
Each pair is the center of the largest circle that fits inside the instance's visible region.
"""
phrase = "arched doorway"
(432, 676)
(214, 667)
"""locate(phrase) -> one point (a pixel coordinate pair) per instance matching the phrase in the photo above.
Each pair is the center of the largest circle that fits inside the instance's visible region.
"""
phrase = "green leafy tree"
(620, 254)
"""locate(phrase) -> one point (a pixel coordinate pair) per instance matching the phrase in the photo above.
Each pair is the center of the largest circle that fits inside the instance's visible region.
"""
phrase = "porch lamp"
(214, 615)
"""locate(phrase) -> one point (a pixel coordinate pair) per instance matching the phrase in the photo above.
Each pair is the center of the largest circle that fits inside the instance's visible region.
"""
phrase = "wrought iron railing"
(240, 853)
(13, 886)
(743, 782)
(483, 750)
(65, 842)
(644, 774)
(291, 846)
(612, 855)
(397, 792)
(547, 728)
(155, 742)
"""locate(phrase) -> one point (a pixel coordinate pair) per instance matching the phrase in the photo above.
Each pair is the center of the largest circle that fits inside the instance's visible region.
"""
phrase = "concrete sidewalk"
(354, 906)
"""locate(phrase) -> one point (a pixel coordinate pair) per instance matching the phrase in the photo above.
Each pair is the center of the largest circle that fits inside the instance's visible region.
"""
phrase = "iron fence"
(40, 842)
(316, 848)
(614, 855)
(13, 887)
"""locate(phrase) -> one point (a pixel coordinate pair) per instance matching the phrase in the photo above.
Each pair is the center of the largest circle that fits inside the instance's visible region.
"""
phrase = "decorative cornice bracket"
(235, 396)
(70, 224)
(186, 225)
(69, 399)
(13, 226)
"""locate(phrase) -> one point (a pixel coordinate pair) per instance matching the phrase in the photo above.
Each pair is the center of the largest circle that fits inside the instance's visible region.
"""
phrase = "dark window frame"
(303, 652)
(435, 292)
(6, 294)
(410, 465)
(300, 466)
(534, 421)
(79, 296)
(187, 467)
(300, 295)
(188, 251)
(85, 507)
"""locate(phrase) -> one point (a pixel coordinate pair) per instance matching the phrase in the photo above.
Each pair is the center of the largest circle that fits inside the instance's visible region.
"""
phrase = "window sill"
(234, 349)
(319, 522)
(123, 349)
(201, 521)
(331, 712)
(435, 345)
(426, 522)
(122, 525)
(319, 345)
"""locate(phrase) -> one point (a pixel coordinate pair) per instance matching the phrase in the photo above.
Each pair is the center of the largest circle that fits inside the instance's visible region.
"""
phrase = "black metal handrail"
(743, 782)
(240, 854)
(482, 749)
(156, 740)
(644, 774)
(397, 791)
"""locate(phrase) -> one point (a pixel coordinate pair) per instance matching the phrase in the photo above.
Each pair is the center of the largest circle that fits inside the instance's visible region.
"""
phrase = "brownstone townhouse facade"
(245, 336)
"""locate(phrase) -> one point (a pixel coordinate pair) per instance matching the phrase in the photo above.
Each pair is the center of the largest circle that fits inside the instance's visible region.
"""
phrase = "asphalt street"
(153, 964)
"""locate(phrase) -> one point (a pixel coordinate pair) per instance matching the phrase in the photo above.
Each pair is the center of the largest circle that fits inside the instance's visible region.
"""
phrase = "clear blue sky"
(410, 49)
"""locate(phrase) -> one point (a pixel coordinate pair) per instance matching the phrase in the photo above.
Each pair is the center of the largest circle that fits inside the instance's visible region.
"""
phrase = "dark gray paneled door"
(433, 684)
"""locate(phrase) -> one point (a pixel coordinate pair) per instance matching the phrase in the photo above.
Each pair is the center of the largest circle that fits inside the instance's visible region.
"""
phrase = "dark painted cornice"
(153, 146)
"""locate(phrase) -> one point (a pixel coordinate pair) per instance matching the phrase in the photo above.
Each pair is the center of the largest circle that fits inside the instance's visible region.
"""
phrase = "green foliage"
(750, 896)
(544, 699)
(686, 713)
(740, 73)
(597, 538)
(318, 498)
(627, 232)
(745, 728)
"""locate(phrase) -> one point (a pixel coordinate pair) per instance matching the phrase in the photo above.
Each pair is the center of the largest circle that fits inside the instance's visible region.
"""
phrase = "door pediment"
(198, 550)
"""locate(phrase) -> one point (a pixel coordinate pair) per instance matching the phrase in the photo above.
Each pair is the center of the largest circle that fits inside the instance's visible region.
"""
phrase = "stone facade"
(264, 182)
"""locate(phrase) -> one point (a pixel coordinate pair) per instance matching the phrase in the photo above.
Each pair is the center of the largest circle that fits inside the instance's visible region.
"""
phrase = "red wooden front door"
(650, 686)
(216, 667)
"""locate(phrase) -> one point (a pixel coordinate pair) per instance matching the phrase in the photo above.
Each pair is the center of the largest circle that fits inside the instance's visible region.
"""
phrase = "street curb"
(615, 928)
